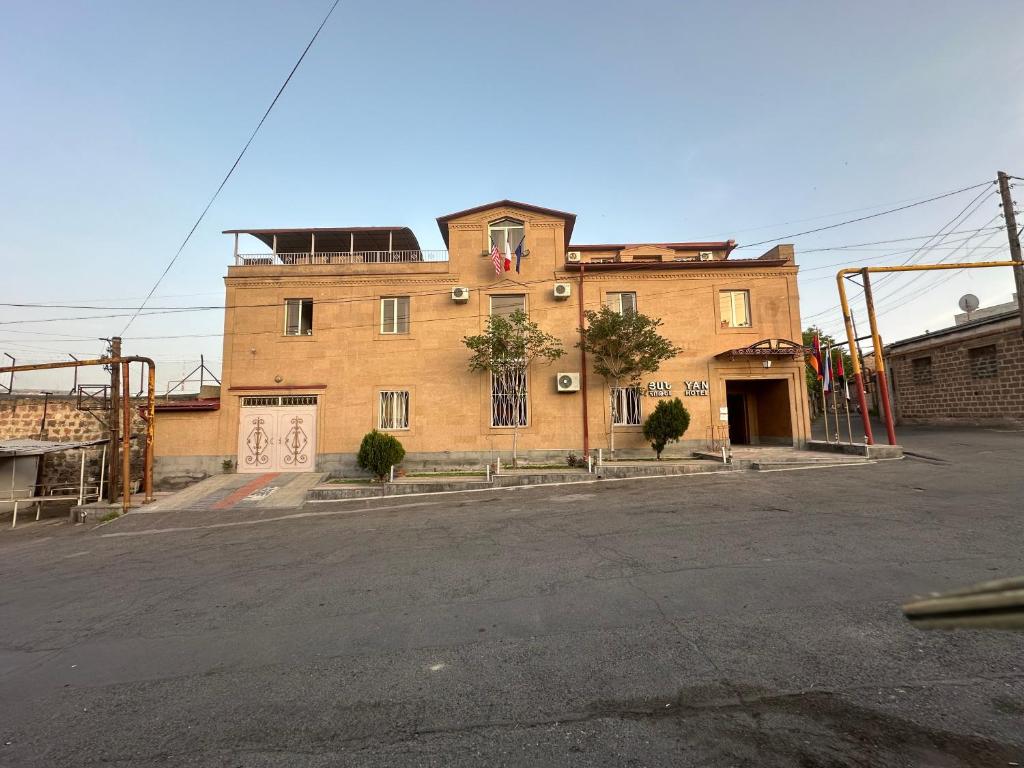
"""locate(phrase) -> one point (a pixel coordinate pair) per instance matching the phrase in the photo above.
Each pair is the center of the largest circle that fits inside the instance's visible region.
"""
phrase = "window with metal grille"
(298, 400)
(623, 302)
(394, 314)
(508, 397)
(393, 411)
(272, 401)
(921, 371)
(984, 362)
(298, 317)
(626, 409)
(735, 308)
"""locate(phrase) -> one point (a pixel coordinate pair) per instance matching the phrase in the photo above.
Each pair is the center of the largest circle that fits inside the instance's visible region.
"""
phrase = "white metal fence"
(339, 257)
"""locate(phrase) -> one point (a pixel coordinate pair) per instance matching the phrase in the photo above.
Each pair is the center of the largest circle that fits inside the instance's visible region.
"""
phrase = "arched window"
(506, 230)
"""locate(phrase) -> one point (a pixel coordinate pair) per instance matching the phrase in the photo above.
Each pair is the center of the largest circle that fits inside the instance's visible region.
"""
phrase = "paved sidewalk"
(225, 492)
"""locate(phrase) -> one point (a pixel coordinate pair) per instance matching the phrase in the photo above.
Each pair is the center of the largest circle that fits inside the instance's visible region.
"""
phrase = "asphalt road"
(749, 619)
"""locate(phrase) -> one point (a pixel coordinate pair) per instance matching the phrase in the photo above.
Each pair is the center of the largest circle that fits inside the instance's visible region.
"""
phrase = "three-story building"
(332, 332)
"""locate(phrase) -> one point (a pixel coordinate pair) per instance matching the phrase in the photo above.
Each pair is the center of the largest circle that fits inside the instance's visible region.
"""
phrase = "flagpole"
(824, 412)
(846, 402)
(835, 402)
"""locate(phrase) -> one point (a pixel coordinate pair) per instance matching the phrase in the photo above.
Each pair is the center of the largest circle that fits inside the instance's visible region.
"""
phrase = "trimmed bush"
(666, 424)
(378, 452)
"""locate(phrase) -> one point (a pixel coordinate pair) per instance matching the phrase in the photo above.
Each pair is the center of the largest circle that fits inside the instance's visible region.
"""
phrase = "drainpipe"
(583, 374)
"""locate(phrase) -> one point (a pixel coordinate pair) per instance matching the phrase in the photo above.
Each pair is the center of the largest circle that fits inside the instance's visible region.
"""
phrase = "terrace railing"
(338, 257)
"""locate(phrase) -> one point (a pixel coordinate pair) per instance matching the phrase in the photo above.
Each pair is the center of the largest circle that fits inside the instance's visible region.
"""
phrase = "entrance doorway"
(759, 411)
(277, 434)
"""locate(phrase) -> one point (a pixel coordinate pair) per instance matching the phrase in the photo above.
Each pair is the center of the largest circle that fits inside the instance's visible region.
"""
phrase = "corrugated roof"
(30, 447)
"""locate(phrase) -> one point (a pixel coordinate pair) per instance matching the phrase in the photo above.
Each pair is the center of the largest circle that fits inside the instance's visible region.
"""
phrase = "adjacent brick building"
(971, 373)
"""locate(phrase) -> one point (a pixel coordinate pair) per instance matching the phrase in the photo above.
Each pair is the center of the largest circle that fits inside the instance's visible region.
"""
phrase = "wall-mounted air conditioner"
(460, 294)
(562, 290)
(573, 257)
(568, 382)
(706, 256)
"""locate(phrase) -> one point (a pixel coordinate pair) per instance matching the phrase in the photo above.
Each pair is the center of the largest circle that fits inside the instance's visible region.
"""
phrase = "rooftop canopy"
(334, 239)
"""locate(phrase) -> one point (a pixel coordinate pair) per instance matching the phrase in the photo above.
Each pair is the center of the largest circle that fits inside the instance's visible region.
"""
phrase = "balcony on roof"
(328, 246)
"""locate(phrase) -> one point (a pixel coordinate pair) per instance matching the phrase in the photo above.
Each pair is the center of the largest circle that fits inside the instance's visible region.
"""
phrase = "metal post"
(1014, 239)
(10, 384)
(236, 248)
(81, 480)
(824, 412)
(883, 384)
(126, 444)
(583, 374)
(113, 419)
(103, 469)
(851, 337)
(74, 386)
(150, 431)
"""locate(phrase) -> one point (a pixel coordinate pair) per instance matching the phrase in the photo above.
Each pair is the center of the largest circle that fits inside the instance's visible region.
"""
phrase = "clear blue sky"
(652, 121)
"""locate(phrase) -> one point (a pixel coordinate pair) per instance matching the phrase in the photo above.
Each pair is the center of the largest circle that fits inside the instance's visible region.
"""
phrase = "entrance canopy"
(766, 348)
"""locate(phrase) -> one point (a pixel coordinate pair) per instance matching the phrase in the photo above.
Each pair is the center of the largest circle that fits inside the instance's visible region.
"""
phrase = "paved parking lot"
(720, 620)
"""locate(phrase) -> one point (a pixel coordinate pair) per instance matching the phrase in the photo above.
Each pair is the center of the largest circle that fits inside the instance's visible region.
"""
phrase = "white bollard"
(488, 467)
(392, 473)
(497, 466)
(590, 463)
(600, 456)
(724, 460)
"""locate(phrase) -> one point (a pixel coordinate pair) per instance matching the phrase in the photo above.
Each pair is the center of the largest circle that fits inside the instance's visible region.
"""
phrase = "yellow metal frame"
(883, 384)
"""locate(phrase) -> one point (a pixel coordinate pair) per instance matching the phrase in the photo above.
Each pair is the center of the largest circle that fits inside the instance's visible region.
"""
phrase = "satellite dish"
(968, 302)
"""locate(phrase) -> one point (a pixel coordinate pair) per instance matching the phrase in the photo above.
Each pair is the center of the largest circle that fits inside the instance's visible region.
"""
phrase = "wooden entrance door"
(279, 439)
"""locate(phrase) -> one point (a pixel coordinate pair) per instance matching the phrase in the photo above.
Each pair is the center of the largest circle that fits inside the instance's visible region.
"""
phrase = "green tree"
(666, 424)
(623, 347)
(505, 350)
(378, 452)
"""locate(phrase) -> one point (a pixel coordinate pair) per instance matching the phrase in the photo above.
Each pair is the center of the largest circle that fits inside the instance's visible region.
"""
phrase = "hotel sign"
(664, 389)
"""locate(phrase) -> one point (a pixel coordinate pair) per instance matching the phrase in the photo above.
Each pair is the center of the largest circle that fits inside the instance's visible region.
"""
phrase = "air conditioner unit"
(706, 256)
(460, 293)
(562, 290)
(568, 382)
(573, 257)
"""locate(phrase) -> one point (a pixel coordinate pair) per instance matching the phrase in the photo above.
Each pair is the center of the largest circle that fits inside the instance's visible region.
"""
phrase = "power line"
(866, 218)
(231, 170)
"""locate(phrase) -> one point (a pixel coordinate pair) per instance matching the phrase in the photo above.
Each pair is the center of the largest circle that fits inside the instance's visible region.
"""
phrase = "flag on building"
(496, 257)
(508, 256)
(519, 253)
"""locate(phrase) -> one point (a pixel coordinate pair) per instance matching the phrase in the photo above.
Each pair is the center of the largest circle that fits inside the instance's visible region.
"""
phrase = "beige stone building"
(332, 332)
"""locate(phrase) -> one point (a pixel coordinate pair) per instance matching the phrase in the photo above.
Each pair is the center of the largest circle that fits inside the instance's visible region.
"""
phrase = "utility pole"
(113, 418)
(1014, 238)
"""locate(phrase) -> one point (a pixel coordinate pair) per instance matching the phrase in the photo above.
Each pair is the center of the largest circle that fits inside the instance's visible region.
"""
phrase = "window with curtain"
(394, 314)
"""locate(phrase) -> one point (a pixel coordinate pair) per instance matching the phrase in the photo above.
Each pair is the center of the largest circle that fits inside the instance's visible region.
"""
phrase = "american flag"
(496, 258)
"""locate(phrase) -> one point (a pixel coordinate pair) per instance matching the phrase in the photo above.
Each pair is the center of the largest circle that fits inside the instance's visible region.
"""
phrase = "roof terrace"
(333, 245)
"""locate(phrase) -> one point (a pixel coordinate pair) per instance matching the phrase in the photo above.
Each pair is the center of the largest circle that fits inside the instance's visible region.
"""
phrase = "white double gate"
(277, 434)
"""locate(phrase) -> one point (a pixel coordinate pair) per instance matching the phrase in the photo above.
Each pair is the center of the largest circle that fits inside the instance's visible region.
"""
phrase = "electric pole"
(1014, 237)
(113, 418)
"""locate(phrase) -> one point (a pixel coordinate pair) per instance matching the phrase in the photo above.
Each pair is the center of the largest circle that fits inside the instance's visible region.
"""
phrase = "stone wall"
(21, 416)
(947, 389)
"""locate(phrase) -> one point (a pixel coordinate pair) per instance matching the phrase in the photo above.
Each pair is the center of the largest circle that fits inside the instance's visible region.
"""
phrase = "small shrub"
(666, 424)
(227, 465)
(378, 452)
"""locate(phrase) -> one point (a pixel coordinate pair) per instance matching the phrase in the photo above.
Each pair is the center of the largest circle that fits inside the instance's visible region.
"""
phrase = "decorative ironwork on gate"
(296, 442)
(256, 442)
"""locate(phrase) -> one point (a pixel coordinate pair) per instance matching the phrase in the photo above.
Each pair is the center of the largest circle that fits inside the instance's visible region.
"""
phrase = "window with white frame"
(298, 317)
(393, 411)
(508, 397)
(735, 308)
(506, 305)
(626, 406)
(623, 302)
(506, 231)
(394, 314)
